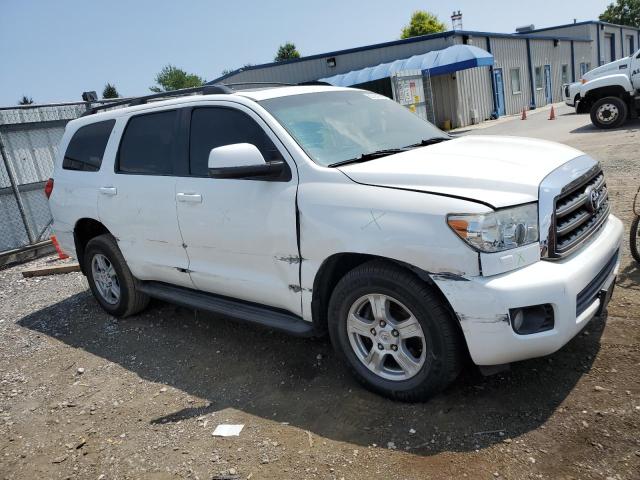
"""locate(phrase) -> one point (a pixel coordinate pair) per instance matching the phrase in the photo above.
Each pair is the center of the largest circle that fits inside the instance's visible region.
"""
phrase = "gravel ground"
(86, 396)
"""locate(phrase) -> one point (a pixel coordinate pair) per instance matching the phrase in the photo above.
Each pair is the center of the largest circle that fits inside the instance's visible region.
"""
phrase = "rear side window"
(86, 148)
(148, 144)
(213, 127)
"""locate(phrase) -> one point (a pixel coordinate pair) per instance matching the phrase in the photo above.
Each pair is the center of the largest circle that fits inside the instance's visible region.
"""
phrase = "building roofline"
(404, 41)
(586, 22)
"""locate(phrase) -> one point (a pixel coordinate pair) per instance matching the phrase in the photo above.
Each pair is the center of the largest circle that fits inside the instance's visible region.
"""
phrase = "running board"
(236, 309)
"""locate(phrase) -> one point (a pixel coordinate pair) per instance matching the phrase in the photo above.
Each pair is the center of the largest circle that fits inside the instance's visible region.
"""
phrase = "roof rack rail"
(212, 89)
(204, 90)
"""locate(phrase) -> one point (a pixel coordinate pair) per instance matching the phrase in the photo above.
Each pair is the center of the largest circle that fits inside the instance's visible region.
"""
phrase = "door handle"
(111, 191)
(189, 197)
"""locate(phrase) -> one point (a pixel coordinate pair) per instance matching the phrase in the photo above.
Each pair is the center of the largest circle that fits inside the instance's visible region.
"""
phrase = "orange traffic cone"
(524, 114)
(61, 254)
(552, 115)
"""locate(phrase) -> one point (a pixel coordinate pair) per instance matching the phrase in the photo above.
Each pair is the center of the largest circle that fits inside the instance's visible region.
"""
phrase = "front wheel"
(394, 333)
(609, 112)
(634, 240)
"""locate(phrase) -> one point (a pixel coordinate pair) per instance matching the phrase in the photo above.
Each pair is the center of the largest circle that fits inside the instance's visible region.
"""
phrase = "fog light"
(533, 319)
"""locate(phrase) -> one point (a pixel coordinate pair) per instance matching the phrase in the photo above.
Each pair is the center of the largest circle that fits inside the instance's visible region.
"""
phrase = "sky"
(52, 51)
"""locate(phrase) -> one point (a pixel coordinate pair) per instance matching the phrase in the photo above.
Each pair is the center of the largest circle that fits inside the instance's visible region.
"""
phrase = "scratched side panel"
(338, 215)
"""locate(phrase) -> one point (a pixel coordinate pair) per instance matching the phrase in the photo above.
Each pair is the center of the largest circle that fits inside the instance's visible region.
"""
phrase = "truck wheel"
(634, 239)
(609, 112)
(394, 333)
(110, 279)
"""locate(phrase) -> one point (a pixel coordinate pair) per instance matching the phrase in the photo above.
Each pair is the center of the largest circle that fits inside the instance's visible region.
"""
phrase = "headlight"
(498, 230)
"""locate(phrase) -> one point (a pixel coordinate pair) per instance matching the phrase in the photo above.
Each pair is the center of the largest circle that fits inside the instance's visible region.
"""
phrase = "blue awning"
(437, 62)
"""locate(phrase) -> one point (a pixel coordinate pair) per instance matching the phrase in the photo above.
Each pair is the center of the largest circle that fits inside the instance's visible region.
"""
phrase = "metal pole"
(16, 192)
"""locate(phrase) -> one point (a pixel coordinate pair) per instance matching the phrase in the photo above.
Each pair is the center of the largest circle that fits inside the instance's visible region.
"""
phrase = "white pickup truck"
(315, 209)
(610, 93)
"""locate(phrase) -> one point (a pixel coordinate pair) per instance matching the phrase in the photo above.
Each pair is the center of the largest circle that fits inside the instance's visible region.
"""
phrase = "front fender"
(615, 81)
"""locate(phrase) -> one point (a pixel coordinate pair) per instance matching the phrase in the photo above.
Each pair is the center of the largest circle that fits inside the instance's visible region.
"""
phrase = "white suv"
(313, 209)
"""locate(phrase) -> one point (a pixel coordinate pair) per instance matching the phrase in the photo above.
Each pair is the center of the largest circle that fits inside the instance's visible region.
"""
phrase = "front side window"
(538, 78)
(87, 146)
(148, 144)
(514, 74)
(338, 126)
(213, 127)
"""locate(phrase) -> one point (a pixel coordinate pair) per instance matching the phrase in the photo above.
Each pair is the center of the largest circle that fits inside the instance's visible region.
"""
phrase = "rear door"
(240, 234)
(136, 201)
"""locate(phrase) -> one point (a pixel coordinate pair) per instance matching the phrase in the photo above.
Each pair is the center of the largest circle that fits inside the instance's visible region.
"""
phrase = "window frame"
(564, 74)
(186, 114)
(538, 75)
(519, 91)
(112, 121)
(176, 149)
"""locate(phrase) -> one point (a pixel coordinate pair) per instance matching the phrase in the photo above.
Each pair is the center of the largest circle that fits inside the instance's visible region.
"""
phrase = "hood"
(499, 171)
(607, 69)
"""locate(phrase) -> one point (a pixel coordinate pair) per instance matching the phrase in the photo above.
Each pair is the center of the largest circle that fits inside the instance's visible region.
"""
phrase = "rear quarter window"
(87, 146)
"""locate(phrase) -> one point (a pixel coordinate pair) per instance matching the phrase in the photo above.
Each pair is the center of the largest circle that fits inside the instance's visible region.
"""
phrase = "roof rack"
(204, 90)
(212, 89)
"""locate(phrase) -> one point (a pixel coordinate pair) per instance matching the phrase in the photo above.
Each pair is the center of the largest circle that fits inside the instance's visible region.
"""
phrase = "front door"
(136, 201)
(240, 234)
(499, 87)
(548, 92)
(635, 70)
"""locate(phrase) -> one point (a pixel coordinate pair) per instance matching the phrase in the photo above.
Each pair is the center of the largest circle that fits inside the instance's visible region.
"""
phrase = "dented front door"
(240, 235)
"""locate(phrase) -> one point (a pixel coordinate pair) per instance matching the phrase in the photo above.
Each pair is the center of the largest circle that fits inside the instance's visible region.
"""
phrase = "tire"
(440, 350)
(104, 250)
(634, 239)
(609, 112)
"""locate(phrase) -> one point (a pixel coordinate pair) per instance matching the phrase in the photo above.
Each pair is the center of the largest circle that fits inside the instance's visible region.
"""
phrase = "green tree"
(110, 91)
(174, 78)
(287, 51)
(422, 23)
(623, 12)
(25, 100)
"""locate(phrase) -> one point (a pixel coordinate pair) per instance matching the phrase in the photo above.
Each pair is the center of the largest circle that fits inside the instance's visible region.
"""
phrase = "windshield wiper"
(428, 141)
(369, 156)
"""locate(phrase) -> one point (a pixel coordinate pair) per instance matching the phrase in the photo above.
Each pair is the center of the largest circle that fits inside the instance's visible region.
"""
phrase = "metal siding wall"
(512, 53)
(584, 53)
(308, 70)
(445, 99)
(544, 53)
(474, 93)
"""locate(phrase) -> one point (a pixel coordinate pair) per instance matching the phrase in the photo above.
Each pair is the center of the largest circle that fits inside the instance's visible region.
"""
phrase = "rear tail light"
(48, 188)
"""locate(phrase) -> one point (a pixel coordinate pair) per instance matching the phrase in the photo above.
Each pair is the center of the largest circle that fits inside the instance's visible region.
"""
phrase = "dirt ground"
(86, 396)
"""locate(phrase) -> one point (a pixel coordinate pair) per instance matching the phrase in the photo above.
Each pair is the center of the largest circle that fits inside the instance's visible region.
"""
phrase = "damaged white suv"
(314, 209)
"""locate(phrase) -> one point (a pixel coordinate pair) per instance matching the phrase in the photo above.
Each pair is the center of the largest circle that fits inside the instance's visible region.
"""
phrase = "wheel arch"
(608, 91)
(84, 230)
(335, 267)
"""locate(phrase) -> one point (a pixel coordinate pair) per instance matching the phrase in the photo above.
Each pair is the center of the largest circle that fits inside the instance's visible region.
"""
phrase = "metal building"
(528, 68)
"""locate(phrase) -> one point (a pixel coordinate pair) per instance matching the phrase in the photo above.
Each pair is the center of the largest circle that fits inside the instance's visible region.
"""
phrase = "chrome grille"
(578, 213)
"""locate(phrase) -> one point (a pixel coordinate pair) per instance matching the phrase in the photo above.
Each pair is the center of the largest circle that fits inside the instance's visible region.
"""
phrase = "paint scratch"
(374, 219)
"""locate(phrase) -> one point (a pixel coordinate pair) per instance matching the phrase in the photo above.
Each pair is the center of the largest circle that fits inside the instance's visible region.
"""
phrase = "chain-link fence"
(29, 138)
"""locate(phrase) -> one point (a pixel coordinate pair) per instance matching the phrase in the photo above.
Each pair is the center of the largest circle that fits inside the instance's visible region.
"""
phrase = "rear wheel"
(110, 279)
(634, 240)
(609, 112)
(394, 333)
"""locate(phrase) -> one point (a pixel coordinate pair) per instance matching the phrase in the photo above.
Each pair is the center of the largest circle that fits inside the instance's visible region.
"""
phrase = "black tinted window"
(216, 127)
(147, 144)
(86, 148)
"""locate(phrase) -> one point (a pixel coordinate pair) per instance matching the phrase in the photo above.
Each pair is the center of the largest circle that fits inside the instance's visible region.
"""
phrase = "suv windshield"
(341, 127)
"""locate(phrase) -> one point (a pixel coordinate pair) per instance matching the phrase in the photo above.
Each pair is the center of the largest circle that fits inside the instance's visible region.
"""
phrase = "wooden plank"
(52, 270)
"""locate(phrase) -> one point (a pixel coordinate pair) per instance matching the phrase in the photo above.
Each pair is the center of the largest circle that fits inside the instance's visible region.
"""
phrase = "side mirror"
(241, 160)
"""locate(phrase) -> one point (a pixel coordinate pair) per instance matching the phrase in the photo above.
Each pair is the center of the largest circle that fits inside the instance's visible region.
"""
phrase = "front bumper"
(482, 303)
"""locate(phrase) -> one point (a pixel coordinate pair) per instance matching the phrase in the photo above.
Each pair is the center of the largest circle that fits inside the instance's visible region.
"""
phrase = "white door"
(240, 234)
(137, 199)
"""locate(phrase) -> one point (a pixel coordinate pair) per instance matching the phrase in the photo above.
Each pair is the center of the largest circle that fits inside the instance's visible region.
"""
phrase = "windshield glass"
(335, 127)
